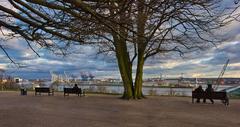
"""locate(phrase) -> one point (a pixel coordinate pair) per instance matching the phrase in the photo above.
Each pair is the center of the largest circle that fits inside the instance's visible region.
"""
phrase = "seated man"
(209, 92)
(75, 87)
(199, 90)
(77, 90)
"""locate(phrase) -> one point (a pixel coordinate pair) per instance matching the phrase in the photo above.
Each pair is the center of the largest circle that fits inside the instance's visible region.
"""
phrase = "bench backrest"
(217, 95)
(70, 90)
(213, 95)
(42, 89)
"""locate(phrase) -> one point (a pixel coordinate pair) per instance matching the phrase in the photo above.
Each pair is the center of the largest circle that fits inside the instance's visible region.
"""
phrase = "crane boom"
(221, 74)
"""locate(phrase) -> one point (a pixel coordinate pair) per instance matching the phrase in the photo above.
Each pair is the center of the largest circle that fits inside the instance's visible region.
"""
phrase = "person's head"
(75, 85)
(209, 84)
(200, 86)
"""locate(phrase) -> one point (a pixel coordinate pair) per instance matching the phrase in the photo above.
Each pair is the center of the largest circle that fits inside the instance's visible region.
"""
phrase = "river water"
(147, 90)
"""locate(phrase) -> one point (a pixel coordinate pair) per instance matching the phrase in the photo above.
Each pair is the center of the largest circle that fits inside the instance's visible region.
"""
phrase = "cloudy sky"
(206, 63)
(199, 64)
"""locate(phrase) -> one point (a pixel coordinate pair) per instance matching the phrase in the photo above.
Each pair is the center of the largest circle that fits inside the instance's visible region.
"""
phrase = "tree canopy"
(133, 30)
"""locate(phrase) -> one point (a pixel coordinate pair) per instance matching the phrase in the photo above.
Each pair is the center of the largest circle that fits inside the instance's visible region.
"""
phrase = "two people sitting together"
(208, 92)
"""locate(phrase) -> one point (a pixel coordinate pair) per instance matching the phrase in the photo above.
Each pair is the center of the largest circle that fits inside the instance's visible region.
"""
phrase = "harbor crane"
(218, 81)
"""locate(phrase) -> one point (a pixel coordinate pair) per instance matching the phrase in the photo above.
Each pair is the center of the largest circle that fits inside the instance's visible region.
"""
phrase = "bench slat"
(40, 90)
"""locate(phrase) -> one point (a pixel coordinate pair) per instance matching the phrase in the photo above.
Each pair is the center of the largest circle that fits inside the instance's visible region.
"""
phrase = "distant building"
(193, 81)
(17, 79)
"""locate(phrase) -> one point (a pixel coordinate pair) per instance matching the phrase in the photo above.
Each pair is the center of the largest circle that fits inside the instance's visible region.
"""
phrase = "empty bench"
(68, 91)
(39, 90)
(221, 95)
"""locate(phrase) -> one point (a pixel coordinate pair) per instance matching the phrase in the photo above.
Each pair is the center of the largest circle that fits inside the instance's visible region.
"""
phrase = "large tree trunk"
(141, 40)
(139, 77)
(123, 58)
(125, 68)
(126, 76)
(125, 65)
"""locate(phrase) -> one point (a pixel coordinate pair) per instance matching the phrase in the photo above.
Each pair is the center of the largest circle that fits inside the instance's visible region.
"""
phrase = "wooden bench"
(39, 90)
(214, 95)
(68, 91)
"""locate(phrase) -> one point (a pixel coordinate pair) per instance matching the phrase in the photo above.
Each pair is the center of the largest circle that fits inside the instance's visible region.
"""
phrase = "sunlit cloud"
(3, 66)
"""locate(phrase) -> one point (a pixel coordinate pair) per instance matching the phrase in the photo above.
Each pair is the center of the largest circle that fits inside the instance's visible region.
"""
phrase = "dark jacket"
(199, 89)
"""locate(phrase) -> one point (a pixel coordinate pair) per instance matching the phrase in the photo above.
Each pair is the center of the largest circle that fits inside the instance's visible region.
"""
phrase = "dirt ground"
(110, 111)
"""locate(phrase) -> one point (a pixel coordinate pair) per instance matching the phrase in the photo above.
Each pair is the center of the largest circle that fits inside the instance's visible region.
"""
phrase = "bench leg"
(83, 92)
(226, 101)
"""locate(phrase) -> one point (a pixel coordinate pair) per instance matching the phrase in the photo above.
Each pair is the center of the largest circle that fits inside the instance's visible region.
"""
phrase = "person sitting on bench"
(209, 92)
(199, 90)
(75, 87)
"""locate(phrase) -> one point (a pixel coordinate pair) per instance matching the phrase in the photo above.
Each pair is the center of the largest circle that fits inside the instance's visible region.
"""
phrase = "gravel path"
(110, 111)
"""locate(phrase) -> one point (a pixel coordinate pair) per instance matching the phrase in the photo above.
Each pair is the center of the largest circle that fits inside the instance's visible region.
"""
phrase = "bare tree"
(133, 30)
(2, 78)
